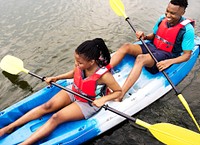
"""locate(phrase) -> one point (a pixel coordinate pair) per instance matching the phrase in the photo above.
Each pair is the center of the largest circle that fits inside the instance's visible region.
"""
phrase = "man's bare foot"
(119, 99)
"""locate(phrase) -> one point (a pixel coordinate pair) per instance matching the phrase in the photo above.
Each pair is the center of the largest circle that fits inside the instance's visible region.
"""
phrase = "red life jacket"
(165, 37)
(87, 86)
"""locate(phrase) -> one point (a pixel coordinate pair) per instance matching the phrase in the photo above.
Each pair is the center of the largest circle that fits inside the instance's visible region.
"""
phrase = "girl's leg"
(60, 100)
(69, 113)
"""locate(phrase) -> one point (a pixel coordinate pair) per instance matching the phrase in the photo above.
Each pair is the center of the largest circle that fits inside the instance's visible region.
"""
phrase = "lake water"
(44, 34)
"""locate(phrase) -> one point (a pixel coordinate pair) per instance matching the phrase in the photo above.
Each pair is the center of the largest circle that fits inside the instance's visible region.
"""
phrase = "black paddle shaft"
(106, 107)
(165, 74)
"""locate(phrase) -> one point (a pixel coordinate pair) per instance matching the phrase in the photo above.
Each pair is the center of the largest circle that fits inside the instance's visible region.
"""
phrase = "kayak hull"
(145, 91)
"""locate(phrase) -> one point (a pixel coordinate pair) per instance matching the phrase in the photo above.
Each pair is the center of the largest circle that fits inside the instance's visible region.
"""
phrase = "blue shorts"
(158, 54)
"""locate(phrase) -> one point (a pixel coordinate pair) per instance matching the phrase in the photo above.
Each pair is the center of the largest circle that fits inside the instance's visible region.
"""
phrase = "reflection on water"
(17, 81)
(45, 33)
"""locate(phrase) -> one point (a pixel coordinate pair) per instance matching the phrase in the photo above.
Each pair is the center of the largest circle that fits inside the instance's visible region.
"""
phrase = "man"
(172, 35)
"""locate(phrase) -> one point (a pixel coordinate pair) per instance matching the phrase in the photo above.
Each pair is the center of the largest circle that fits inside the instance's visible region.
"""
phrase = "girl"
(91, 74)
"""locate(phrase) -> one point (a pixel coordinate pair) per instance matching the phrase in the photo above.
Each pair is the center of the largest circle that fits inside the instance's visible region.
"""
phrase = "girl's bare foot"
(5, 130)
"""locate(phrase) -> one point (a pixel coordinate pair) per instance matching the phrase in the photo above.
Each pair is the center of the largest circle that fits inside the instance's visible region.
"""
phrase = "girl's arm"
(67, 75)
(112, 84)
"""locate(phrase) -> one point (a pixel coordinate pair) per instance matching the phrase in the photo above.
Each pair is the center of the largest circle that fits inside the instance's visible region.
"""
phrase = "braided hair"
(95, 49)
(181, 3)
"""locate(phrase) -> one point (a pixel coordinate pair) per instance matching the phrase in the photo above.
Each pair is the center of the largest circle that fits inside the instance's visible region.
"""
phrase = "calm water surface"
(45, 33)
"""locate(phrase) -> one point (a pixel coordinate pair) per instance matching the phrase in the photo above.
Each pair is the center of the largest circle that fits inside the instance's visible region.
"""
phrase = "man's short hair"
(181, 3)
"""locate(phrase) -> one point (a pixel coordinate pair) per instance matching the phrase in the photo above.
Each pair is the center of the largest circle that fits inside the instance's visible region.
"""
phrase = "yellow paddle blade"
(12, 65)
(118, 7)
(171, 134)
(185, 104)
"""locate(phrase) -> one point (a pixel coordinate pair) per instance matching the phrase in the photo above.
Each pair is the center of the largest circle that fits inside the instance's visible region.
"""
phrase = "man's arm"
(168, 62)
(149, 36)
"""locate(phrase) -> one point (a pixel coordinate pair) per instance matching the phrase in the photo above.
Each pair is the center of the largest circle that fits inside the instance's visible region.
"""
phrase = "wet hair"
(181, 3)
(95, 49)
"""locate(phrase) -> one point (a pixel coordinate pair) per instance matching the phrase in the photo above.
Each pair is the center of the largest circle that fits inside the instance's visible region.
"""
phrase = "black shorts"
(158, 54)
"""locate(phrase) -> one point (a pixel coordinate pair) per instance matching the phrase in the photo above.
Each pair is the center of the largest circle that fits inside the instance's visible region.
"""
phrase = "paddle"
(165, 132)
(118, 8)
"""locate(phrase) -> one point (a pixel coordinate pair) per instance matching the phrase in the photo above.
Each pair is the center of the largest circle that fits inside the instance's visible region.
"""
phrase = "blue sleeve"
(188, 38)
(155, 28)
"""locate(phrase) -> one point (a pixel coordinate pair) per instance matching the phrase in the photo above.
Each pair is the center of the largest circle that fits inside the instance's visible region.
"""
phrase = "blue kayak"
(148, 88)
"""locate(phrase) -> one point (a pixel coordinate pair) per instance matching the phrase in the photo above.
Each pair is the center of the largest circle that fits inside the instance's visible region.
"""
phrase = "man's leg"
(127, 48)
(141, 60)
